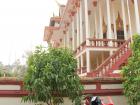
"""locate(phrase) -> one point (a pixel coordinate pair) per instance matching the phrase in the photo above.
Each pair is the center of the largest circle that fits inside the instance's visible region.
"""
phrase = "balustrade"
(110, 43)
(105, 42)
(109, 62)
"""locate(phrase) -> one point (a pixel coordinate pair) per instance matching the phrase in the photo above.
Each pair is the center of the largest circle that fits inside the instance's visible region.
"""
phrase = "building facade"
(98, 31)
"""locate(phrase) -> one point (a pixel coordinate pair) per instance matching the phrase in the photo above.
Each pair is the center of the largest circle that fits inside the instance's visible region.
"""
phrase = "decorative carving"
(77, 3)
(94, 3)
(60, 40)
(132, 1)
(119, 23)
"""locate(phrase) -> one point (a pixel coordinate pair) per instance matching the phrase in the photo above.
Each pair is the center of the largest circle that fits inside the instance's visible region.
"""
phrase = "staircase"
(113, 63)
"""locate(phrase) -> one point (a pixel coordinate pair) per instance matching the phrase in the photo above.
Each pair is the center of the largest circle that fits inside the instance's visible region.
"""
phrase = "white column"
(109, 34)
(82, 65)
(68, 41)
(102, 57)
(77, 18)
(81, 57)
(70, 36)
(111, 52)
(101, 22)
(124, 19)
(137, 16)
(81, 20)
(86, 21)
(78, 63)
(88, 60)
(114, 21)
(97, 61)
(73, 36)
(89, 16)
(96, 26)
(129, 19)
(64, 40)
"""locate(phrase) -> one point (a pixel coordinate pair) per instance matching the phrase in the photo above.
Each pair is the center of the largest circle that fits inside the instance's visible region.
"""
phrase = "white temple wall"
(104, 12)
(91, 17)
(75, 32)
(92, 27)
(83, 20)
(117, 100)
(70, 36)
(132, 13)
(17, 101)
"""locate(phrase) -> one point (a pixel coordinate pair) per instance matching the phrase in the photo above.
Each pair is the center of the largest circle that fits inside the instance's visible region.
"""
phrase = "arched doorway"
(119, 27)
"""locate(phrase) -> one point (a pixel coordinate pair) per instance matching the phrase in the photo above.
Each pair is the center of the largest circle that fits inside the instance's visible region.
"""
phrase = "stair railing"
(108, 63)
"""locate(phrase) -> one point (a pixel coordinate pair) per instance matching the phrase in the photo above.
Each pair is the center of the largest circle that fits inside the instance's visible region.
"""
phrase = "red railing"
(109, 62)
(110, 43)
(105, 42)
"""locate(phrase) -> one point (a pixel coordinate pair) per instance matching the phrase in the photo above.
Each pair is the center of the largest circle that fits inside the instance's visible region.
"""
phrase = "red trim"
(104, 92)
(102, 81)
(10, 82)
(97, 91)
(98, 86)
(12, 93)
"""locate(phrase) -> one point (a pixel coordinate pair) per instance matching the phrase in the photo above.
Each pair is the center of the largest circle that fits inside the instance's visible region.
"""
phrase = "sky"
(22, 25)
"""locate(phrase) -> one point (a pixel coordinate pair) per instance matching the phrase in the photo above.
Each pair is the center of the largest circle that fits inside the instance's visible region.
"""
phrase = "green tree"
(18, 70)
(1, 67)
(51, 76)
(131, 73)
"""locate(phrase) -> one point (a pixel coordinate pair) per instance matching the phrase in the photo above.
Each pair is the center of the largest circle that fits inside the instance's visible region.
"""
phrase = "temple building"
(99, 32)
